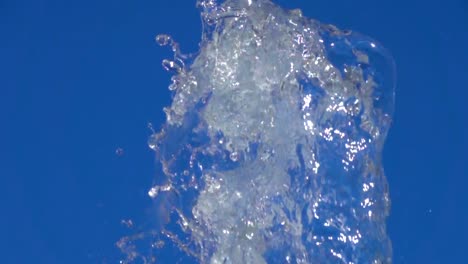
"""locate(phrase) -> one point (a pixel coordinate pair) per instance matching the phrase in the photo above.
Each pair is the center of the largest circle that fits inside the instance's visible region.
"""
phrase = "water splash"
(272, 148)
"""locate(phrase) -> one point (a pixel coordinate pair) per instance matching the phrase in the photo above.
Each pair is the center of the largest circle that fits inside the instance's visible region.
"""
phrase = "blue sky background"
(79, 79)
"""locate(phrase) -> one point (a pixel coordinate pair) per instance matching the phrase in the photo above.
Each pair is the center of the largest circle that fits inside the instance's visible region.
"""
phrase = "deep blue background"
(79, 79)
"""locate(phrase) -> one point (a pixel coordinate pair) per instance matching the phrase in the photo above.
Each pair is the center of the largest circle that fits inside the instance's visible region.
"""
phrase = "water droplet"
(119, 152)
(158, 244)
(165, 188)
(150, 126)
(170, 115)
(234, 156)
(163, 39)
(172, 87)
(153, 142)
(249, 236)
(128, 223)
(153, 192)
(175, 83)
(169, 65)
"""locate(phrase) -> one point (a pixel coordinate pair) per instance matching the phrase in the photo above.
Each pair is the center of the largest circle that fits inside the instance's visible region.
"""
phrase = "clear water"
(271, 151)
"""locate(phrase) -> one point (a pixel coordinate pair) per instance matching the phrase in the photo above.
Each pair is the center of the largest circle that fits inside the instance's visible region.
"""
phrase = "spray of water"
(271, 151)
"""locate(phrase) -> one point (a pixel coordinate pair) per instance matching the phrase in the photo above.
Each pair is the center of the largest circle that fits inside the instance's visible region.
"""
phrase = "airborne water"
(271, 152)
